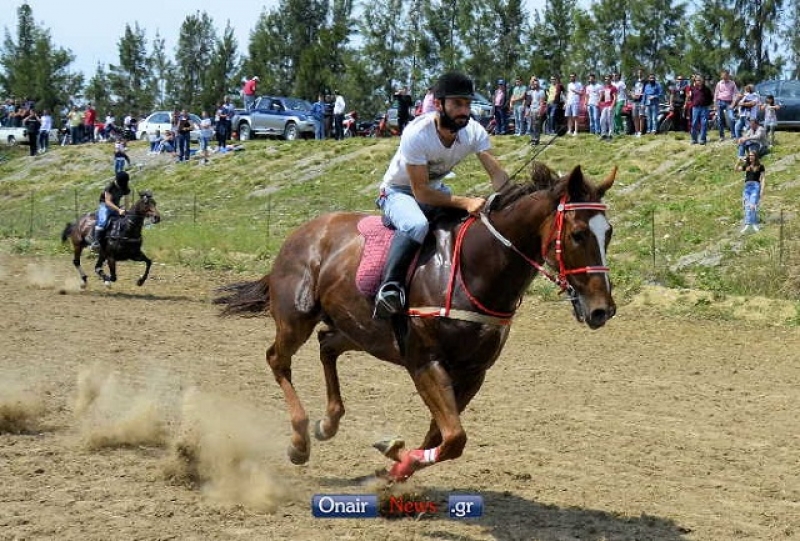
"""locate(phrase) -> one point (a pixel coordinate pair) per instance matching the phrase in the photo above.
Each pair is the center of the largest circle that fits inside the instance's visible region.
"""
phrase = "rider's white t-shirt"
(420, 145)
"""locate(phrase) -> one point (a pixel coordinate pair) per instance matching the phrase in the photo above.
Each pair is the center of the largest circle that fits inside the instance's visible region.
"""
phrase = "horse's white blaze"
(598, 224)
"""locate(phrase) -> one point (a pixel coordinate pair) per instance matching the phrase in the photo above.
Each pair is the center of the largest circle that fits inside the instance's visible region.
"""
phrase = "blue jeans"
(741, 125)
(594, 119)
(699, 123)
(406, 214)
(747, 146)
(183, 147)
(652, 116)
(519, 119)
(552, 110)
(319, 129)
(751, 196)
(119, 164)
(103, 213)
(723, 116)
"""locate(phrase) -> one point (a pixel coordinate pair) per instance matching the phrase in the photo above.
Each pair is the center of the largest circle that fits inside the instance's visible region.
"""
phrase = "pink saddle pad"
(377, 239)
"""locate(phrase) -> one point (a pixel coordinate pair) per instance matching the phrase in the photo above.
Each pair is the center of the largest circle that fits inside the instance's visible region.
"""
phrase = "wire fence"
(667, 247)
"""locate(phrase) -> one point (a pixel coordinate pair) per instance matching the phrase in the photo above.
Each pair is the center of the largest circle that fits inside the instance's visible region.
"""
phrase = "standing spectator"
(44, 131)
(120, 157)
(428, 102)
(75, 123)
(338, 116)
(404, 103)
(754, 139)
(651, 96)
(499, 102)
(517, 104)
(593, 89)
(249, 93)
(555, 97)
(329, 115)
(184, 136)
(537, 110)
(318, 114)
(753, 192)
(638, 111)
(749, 103)
(129, 127)
(32, 125)
(724, 93)
(677, 101)
(89, 118)
(622, 99)
(770, 109)
(574, 96)
(205, 135)
(608, 97)
(700, 99)
(109, 129)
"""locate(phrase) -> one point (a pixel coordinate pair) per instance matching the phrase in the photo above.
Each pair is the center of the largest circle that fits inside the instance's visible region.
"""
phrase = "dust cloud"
(221, 448)
(44, 276)
(20, 409)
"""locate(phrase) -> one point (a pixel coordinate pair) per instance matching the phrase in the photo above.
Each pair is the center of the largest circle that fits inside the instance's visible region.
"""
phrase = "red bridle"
(559, 279)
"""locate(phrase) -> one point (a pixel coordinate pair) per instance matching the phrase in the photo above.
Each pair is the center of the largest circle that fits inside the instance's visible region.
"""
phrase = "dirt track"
(648, 429)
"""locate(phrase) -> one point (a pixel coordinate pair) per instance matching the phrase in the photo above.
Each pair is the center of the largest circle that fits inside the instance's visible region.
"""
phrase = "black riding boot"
(97, 239)
(391, 297)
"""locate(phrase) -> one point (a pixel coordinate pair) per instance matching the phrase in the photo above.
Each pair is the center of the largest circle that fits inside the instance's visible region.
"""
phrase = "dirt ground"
(137, 413)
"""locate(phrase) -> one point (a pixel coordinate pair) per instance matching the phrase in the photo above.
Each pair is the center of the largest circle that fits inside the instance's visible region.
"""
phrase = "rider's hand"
(121, 212)
(475, 204)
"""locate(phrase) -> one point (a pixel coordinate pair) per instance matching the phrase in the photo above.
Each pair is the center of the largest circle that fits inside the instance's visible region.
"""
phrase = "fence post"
(269, 214)
(194, 209)
(780, 242)
(30, 224)
(77, 212)
(653, 239)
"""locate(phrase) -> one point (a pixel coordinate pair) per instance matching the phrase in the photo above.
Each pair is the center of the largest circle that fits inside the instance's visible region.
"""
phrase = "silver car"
(289, 118)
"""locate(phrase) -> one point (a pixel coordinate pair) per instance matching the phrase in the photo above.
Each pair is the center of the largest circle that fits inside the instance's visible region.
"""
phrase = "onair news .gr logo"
(344, 505)
(465, 506)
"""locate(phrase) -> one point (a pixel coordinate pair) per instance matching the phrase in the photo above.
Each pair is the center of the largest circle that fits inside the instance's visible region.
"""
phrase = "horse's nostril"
(598, 316)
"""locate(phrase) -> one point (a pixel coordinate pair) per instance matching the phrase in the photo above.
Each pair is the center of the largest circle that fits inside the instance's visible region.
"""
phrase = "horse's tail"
(67, 231)
(244, 297)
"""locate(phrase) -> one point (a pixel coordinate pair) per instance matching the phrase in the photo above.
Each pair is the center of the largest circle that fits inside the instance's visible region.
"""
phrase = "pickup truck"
(289, 118)
(10, 135)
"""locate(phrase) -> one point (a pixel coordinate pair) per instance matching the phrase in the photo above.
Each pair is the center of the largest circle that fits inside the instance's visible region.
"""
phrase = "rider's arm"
(110, 204)
(496, 172)
(423, 193)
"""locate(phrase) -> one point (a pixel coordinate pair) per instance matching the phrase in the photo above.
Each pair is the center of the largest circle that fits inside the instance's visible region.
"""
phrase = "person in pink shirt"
(724, 93)
(608, 99)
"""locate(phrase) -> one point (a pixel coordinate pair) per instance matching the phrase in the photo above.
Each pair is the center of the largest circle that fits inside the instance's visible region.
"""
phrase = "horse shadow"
(510, 517)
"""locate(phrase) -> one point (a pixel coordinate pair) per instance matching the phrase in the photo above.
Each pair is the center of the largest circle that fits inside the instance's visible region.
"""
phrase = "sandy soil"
(137, 413)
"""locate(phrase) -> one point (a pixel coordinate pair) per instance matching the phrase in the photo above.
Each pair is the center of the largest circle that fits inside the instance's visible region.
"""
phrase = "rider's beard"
(452, 123)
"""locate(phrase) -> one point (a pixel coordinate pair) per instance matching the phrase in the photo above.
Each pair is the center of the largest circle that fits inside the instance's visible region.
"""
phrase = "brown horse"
(123, 242)
(468, 283)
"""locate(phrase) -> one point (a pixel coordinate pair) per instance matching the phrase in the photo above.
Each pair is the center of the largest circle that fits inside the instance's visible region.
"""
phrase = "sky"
(92, 28)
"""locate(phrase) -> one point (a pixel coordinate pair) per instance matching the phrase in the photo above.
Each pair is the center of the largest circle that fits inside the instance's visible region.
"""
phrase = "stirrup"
(390, 300)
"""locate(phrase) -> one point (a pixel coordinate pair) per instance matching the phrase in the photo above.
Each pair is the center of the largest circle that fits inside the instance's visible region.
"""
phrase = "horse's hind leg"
(76, 260)
(331, 345)
(288, 339)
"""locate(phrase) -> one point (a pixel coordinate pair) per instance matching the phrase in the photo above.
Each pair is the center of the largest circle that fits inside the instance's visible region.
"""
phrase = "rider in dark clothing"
(110, 202)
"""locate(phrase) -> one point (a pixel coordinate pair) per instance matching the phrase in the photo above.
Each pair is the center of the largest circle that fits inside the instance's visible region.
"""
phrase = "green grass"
(233, 214)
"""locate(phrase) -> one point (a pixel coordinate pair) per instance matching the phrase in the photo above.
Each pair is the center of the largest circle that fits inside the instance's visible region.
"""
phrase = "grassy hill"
(676, 208)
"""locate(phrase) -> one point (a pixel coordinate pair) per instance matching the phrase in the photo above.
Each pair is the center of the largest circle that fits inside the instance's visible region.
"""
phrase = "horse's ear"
(576, 186)
(607, 182)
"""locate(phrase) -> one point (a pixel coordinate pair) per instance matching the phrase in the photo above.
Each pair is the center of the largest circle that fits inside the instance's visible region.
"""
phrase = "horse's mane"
(542, 178)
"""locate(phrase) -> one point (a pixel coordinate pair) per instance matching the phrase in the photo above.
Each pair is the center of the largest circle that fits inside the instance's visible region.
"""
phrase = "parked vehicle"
(10, 135)
(289, 118)
(787, 95)
(162, 121)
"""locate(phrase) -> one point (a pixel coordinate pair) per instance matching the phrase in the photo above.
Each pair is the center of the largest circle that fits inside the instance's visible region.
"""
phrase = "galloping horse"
(468, 282)
(123, 240)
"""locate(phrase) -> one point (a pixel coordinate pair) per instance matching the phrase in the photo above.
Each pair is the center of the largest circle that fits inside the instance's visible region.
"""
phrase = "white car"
(161, 121)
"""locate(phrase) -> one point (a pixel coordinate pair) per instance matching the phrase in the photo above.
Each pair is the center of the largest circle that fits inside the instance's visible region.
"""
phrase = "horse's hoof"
(389, 448)
(107, 283)
(296, 457)
(140, 283)
(319, 433)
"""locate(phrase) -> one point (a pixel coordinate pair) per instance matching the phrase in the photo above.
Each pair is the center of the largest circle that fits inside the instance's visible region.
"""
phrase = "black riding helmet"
(454, 85)
(122, 179)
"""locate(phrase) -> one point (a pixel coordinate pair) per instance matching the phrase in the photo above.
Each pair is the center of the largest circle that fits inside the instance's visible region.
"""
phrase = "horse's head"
(146, 206)
(577, 238)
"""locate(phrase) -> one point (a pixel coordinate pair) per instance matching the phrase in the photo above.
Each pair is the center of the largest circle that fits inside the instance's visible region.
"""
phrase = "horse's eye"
(579, 236)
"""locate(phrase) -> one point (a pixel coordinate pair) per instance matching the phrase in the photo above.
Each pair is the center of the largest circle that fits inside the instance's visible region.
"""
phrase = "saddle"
(378, 238)
(117, 231)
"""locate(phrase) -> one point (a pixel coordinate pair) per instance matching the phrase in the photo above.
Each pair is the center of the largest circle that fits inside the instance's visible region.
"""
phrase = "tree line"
(304, 47)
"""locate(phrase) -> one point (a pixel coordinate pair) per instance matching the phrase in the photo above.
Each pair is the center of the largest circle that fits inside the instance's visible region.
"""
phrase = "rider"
(413, 186)
(110, 201)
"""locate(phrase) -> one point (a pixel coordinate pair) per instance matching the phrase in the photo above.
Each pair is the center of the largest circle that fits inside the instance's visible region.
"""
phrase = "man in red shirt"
(89, 118)
(249, 92)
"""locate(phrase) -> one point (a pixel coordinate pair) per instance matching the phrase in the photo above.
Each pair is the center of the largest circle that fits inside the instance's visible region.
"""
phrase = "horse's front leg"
(436, 389)
(148, 263)
(76, 260)
(98, 268)
(465, 389)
